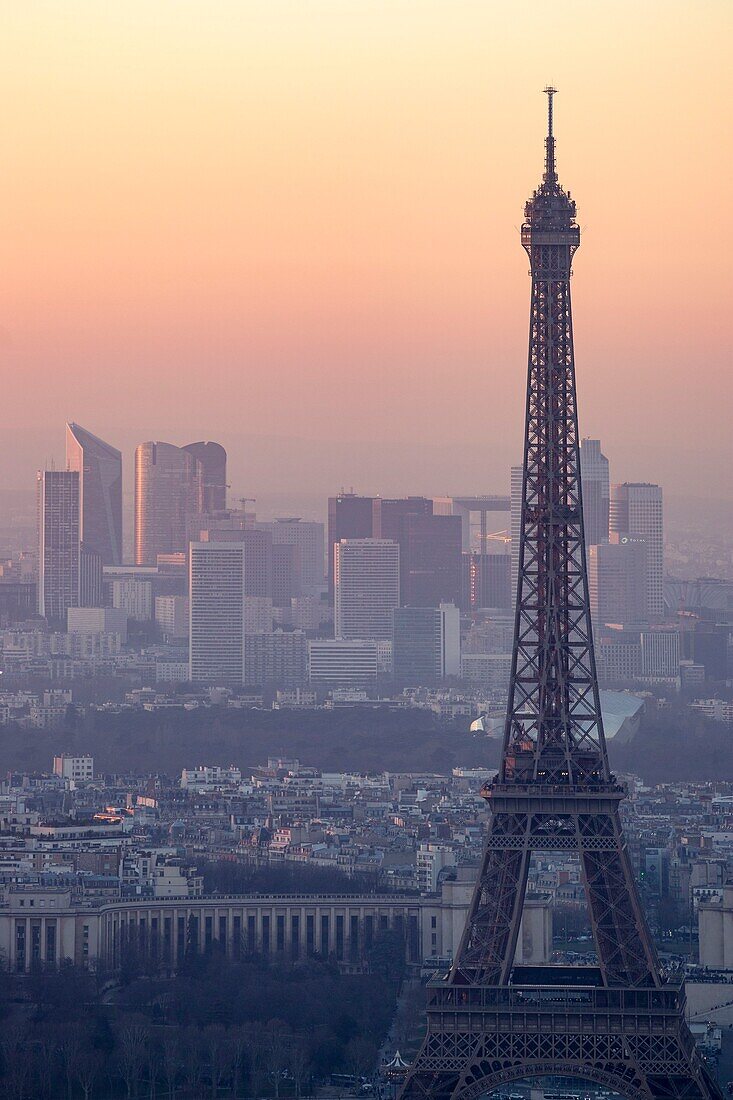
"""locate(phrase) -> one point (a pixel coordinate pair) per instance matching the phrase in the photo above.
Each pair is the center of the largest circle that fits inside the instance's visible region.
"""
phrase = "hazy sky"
(292, 227)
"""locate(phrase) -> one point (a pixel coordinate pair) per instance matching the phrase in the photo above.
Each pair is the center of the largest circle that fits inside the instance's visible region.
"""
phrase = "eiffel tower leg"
(489, 940)
(625, 951)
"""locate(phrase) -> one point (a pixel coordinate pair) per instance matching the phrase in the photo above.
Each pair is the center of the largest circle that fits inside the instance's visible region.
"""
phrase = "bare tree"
(87, 1069)
(299, 1063)
(171, 1060)
(361, 1057)
(238, 1043)
(277, 1046)
(194, 1061)
(15, 1053)
(216, 1046)
(70, 1043)
(131, 1055)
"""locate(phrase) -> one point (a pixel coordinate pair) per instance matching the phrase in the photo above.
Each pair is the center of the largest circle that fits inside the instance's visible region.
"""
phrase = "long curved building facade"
(44, 925)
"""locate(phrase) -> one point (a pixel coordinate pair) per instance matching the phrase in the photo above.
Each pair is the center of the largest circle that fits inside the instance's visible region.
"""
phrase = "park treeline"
(358, 739)
(251, 1026)
(676, 744)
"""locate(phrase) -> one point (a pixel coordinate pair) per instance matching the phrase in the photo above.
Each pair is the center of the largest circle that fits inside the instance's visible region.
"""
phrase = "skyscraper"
(59, 544)
(99, 466)
(349, 517)
(426, 644)
(430, 560)
(617, 579)
(213, 459)
(430, 549)
(485, 581)
(216, 624)
(168, 486)
(636, 509)
(367, 588)
(596, 491)
(517, 474)
(308, 537)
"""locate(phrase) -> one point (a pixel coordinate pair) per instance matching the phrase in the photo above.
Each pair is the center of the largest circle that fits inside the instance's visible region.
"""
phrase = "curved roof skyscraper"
(213, 459)
(99, 465)
(168, 486)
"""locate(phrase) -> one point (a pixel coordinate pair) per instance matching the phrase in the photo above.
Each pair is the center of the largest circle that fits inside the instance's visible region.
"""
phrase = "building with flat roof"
(367, 588)
(636, 509)
(59, 543)
(341, 663)
(426, 644)
(216, 612)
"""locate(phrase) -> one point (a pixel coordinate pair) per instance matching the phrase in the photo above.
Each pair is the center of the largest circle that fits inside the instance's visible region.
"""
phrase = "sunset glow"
(269, 202)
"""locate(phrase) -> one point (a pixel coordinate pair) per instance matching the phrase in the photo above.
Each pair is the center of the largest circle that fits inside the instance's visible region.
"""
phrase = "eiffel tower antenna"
(491, 1021)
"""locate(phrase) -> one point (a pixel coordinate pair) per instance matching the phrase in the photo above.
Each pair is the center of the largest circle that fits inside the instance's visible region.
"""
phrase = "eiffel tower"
(619, 1024)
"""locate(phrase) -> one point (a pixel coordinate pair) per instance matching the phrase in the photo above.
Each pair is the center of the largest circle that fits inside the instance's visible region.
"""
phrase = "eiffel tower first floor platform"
(630, 1040)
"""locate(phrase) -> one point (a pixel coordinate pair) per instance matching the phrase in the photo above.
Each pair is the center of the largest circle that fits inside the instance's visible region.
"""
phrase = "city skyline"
(278, 277)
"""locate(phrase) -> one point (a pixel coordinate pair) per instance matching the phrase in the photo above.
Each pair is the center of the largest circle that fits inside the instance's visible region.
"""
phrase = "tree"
(87, 1069)
(361, 1057)
(131, 1055)
(299, 1063)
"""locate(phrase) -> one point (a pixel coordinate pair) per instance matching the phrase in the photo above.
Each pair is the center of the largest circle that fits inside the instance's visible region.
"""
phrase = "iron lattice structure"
(491, 1021)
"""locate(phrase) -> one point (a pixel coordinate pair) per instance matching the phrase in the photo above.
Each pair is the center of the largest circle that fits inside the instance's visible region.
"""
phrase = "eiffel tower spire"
(618, 1023)
(550, 173)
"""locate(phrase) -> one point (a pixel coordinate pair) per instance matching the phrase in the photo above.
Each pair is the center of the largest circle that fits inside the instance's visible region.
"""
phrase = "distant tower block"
(493, 1020)
(213, 459)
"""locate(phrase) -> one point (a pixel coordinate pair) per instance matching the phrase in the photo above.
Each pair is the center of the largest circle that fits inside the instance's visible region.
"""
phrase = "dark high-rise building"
(430, 549)
(389, 519)
(99, 466)
(349, 517)
(486, 581)
(426, 644)
(596, 491)
(430, 560)
(213, 459)
(168, 486)
(285, 573)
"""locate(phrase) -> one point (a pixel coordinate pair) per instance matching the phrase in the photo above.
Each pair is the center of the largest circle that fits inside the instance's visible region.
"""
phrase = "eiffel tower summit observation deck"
(617, 1023)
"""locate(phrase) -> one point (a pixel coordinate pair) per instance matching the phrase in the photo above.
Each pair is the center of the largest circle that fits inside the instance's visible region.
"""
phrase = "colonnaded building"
(45, 925)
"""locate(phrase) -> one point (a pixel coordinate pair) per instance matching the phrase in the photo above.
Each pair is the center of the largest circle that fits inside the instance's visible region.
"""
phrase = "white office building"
(76, 768)
(97, 620)
(216, 612)
(617, 580)
(366, 587)
(171, 615)
(341, 663)
(309, 538)
(134, 597)
(636, 509)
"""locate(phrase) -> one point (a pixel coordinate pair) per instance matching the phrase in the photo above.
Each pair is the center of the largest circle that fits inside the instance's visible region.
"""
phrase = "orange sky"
(291, 225)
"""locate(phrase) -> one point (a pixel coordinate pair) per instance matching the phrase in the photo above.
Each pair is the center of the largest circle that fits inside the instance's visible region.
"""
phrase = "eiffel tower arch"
(490, 1021)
